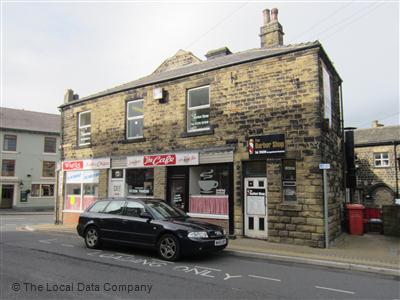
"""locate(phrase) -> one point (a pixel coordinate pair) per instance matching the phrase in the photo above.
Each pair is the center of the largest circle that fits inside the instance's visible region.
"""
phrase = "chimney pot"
(376, 124)
(267, 16)
(274, 14)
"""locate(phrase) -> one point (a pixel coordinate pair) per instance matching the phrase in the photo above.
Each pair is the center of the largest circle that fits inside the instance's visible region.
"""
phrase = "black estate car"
(149, 223)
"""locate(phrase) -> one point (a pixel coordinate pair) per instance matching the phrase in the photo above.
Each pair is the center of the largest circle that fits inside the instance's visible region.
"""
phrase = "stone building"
(29, 154)
(235, 139)
(377, 151)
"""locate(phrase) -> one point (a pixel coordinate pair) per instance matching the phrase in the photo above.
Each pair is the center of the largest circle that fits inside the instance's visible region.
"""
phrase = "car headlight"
(198, 234)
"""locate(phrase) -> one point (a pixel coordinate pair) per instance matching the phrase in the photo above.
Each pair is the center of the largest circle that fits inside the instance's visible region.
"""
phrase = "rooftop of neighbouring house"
(377, 134)
(26, 120)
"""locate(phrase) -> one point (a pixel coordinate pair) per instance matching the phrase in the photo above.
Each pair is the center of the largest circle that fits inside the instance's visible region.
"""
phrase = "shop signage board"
(82, 177)
(172, 159)
(87, 164)
(266, 144)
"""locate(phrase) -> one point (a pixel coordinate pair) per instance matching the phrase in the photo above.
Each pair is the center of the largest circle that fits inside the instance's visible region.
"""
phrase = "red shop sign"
(159, 160)
(73, 165)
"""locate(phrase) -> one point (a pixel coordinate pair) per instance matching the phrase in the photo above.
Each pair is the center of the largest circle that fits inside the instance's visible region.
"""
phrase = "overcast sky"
(92, 46)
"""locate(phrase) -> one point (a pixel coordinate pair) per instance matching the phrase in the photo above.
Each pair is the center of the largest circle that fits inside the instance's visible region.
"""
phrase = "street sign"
(324, 166)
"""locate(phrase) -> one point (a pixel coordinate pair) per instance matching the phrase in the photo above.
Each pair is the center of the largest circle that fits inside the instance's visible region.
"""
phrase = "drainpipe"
(342, 144)
(396, 167)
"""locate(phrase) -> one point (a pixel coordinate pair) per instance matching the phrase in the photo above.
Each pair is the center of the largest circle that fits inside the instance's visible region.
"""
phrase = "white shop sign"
(82, 177)
(170, 159)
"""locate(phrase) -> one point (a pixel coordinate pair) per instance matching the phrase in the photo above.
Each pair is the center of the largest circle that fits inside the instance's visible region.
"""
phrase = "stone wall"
(370, 177)
(274, 95)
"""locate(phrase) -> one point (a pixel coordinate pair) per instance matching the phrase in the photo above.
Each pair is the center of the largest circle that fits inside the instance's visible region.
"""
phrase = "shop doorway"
(7, 196)
(177, 191)
(255, 212)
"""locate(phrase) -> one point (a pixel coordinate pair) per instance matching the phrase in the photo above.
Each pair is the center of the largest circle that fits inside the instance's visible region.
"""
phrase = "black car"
(149, 223)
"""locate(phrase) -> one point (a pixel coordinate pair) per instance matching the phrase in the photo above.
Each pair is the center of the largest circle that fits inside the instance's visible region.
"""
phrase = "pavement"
(368, 253)
(27, 211)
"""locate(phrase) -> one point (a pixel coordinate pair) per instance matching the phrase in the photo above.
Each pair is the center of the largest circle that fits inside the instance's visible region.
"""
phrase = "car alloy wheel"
(92, 238)
(168, 247)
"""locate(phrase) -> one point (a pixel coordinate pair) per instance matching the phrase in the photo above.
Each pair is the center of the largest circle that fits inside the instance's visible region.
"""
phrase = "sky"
(48, 47)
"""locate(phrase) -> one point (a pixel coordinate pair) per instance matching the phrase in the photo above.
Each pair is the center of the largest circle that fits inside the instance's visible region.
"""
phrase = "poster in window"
(255, 202)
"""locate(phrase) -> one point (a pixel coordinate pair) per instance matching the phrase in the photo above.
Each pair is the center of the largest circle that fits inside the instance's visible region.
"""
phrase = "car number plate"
(220, 242)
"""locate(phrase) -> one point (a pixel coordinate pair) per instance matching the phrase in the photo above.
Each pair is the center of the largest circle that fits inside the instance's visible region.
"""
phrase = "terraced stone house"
(235, 139)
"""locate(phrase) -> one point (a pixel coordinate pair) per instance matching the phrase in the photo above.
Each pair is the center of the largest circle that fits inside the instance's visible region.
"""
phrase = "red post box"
(356, 216)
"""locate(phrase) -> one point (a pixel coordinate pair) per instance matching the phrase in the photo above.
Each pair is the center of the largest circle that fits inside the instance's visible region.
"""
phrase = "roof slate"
(19, 119)
(216, 63)
(376, 135)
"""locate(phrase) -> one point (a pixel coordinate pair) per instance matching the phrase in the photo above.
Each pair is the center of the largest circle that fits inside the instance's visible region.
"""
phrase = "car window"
(164, 211)
(98, 206)
(134, 209)
(115, 207)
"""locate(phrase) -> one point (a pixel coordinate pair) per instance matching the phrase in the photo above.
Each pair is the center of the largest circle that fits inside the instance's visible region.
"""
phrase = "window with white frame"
(85, 128)
(381, 159)
(326, 81)
(42, 190)
(198, 109)
(134, 119)
(49, 169)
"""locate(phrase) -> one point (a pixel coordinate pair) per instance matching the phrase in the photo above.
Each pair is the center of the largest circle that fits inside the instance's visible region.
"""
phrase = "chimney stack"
(271, 33)
(376, 124)
(70, 96)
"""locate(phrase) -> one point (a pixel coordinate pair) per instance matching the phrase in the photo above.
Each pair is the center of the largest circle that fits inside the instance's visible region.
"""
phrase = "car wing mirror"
(146, 215)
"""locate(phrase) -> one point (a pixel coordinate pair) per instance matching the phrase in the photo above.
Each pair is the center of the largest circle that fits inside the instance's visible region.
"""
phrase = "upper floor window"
(49, 169)
(134, 119)
(50, 144)
(8, 167)
(198, 109)
(10, 142)
(381, 159)
(85, 128)
(326, 81)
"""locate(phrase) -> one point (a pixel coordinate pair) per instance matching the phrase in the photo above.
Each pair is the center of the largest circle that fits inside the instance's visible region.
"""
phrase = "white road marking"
(10, 224)
(47, 241)
(67, 245)
(333, 290)
(208, 268)
(29, 228)
(3, 218)
(266, 278)
(228, 276)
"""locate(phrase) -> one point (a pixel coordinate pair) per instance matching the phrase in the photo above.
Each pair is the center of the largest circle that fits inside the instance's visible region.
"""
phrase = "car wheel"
(92, 238)
(168, 247)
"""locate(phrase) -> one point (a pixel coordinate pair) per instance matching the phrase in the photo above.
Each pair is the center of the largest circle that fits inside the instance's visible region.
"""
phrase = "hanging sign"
(173, 159)
(266, 144)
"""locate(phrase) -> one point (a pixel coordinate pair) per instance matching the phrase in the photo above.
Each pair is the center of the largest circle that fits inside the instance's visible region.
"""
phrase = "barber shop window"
(140, 182)
(289, 180)
(85, 128)
(134, 119)
(198, 109)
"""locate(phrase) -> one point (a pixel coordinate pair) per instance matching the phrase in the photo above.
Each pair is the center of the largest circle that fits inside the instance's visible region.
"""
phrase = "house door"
(255, 214)
(7, 196)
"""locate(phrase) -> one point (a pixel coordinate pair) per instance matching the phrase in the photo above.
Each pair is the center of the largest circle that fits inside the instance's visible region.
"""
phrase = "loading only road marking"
(334, 290)
(266, 278)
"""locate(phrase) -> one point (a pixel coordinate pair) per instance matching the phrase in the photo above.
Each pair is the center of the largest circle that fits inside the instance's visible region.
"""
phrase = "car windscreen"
(162, 210)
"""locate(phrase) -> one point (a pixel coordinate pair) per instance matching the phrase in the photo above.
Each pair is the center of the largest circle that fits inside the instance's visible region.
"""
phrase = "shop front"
(81, 185)
(199, 183)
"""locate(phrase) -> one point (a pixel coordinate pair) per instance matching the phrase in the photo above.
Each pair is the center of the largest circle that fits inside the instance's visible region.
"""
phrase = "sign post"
(324, 168)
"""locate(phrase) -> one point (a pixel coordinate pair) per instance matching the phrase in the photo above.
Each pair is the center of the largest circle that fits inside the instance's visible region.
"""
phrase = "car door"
(138, 230)
(110, 221)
